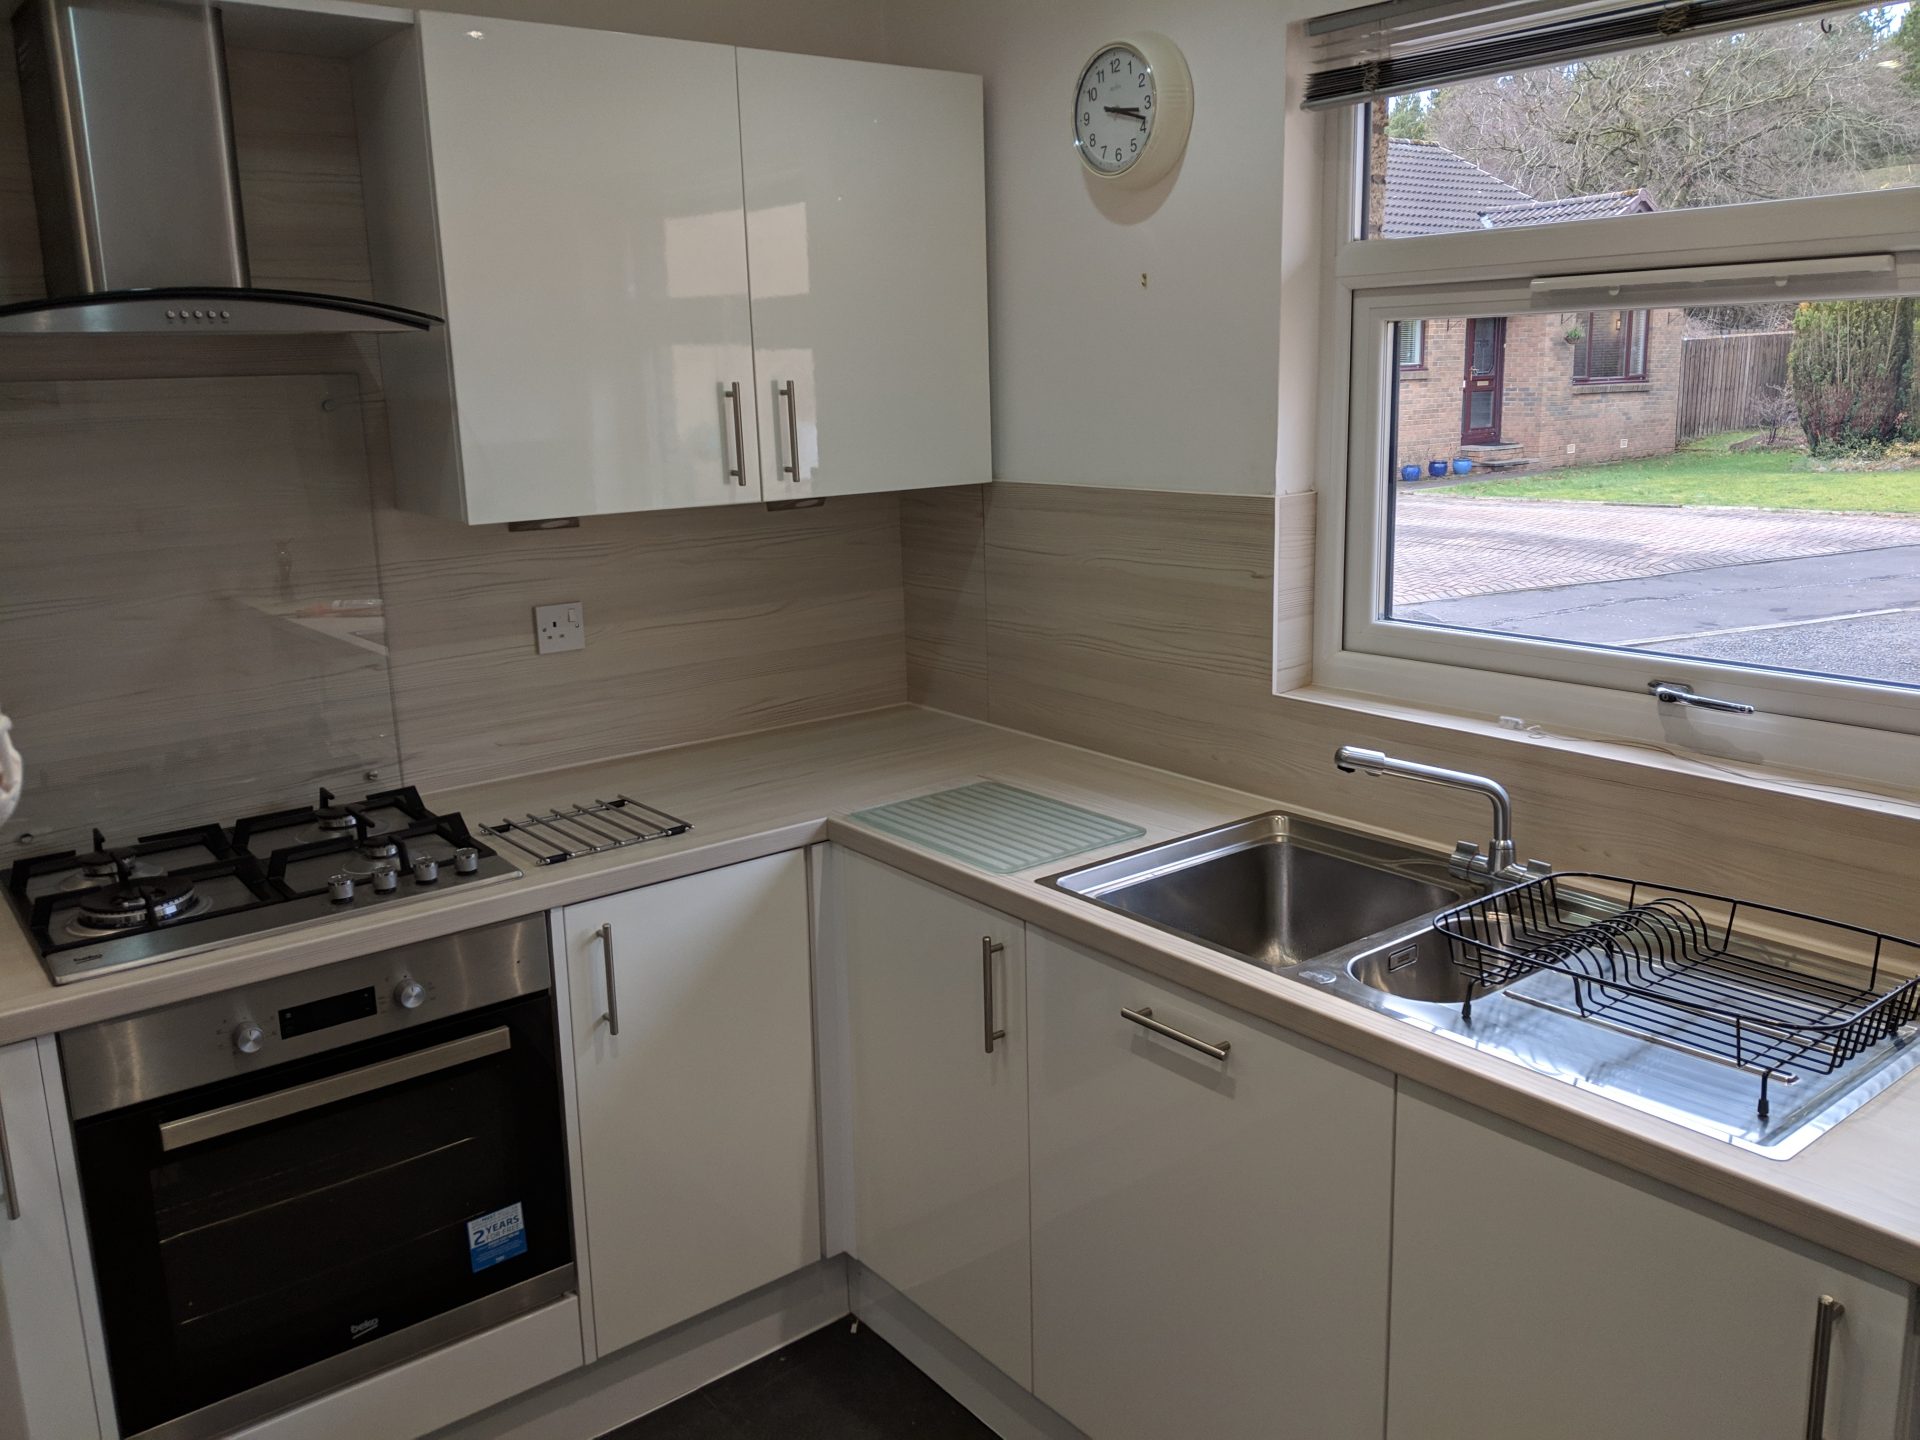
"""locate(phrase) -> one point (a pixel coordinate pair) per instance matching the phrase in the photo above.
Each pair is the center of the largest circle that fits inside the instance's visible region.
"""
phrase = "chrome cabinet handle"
(739, 470)
(1828, 1314)
(1143, 1017)
(6, 1169)
(613, 997)
(792, 467)
(989, 947)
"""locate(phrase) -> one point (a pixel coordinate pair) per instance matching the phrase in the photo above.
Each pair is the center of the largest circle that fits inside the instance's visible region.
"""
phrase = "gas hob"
(186, 891)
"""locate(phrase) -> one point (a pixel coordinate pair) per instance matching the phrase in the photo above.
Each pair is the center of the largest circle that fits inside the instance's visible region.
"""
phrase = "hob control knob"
(466, 860)
(340, 887)
(386, 879)
(247, 1037)
(426, 870)
(409, 994)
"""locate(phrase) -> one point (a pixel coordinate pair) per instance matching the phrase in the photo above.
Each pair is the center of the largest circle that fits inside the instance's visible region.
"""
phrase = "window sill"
(1415, 372)
(1611, 387)
(1650, 759)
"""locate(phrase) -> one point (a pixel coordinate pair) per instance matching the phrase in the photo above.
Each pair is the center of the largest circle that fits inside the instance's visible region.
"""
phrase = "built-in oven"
(291, 1185)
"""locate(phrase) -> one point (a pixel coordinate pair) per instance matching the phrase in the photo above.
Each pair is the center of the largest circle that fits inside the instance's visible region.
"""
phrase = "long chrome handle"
(739, 470)
(613, 996)
(792, 467)
(6, 1169)
(989, 947)
(280, 1104)
(1143, 1017)
(1829, 1312)
(1671, 692)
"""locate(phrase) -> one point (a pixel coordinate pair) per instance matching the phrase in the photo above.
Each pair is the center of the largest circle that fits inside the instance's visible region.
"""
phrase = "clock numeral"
(1091, 140)
(1133, 146)
(1086, 117)
(1115, 65)
(1143, 81)
(1146, 102)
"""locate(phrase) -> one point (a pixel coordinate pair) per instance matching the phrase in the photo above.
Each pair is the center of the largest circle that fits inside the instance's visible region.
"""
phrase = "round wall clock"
(1132, 109)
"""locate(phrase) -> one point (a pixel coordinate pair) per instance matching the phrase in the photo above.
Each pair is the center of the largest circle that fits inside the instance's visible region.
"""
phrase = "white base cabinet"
(46, 1391)
(693, 1052)
(937, 1015)
(1210, 1236)
(1538, 1292)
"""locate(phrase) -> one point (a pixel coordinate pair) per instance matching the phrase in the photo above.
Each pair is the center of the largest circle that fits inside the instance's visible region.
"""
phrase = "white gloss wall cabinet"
(866, 231)
(692, 1030)
(581, 206)
(46, 1392)
(937, 998)
(1540, 1292)
(1210, 1235)
(582, 193)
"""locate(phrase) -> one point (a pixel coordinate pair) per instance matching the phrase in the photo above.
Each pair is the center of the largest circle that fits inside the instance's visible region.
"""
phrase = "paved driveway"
(1837, 594)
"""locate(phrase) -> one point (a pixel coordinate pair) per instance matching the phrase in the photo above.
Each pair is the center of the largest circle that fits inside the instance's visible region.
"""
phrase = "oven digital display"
(334, 1010)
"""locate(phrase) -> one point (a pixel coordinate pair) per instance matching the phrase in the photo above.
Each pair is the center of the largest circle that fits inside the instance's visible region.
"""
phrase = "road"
(1836, 594)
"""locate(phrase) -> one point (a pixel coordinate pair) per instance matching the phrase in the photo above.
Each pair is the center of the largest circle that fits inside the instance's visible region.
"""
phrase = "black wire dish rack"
(1776, 992)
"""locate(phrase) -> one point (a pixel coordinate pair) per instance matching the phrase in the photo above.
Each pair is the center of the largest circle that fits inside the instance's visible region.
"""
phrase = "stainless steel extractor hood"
(130, 133)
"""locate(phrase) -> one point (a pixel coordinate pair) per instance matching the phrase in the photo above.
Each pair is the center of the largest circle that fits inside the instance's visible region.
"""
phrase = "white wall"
(1096, 380)
(851, 29)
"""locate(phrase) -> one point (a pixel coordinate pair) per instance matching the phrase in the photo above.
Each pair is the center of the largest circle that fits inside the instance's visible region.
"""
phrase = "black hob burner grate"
(184, 891)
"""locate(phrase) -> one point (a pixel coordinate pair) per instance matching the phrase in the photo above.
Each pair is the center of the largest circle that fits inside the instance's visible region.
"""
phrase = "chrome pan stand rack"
(587, 829)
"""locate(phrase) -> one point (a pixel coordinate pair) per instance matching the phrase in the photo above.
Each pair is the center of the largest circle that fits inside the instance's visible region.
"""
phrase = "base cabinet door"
(1539, 1292)
(45, 1390)
(1210, 1233)
(693, 1048)
(937, 1011)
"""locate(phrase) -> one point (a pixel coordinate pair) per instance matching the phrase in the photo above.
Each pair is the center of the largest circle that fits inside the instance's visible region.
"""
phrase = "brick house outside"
(1530, 391)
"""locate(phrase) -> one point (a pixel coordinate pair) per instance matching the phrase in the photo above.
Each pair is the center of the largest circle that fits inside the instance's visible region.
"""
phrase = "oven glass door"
(251, 1228)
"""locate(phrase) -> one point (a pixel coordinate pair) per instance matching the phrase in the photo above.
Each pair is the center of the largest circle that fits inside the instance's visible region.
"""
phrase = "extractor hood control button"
(340, 887)
(247, 1037)
(386, 879)
(426, 870)
(409, 994)
(466, 860)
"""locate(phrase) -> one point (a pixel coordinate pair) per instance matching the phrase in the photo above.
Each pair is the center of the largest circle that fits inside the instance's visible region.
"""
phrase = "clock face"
(1113, 110)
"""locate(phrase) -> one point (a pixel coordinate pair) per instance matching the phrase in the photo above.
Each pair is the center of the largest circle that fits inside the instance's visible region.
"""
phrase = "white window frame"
(1857, 730)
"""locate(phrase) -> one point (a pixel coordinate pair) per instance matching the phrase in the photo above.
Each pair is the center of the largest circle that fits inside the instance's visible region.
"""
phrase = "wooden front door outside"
(1485, 379)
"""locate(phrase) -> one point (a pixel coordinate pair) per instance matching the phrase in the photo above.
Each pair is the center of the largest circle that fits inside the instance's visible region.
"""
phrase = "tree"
(1774, 408)
(1906, 49)
(1785, 110)
(1851, 369)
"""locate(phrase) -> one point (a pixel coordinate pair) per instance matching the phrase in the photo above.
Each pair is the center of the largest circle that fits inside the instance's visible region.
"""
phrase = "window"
(1609, 346)
(1684, 444)
(1411, 343)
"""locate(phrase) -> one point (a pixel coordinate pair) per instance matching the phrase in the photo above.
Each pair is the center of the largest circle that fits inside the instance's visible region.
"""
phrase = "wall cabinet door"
(1537, 1291)
(866, 218)
(697, 1135)
(939, 1105)
(1210, 1241)
(45, 1390)
(593, 247)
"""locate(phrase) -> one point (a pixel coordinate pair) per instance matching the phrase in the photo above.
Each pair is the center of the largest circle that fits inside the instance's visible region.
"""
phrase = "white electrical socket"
(559, 627)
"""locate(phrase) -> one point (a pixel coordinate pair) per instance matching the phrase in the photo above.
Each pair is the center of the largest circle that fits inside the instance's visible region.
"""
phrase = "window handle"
(1668, 692)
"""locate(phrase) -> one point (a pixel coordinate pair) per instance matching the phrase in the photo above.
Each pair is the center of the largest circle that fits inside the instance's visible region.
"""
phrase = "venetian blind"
(1401, 46)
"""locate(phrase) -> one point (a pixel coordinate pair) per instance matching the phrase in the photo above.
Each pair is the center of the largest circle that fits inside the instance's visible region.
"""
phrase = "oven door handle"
(279, 1104)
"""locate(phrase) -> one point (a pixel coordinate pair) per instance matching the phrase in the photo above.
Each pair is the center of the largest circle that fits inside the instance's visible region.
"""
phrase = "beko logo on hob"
(364, 1327)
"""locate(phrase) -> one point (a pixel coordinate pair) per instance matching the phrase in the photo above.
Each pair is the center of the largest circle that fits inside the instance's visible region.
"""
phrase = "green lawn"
(1706, 472)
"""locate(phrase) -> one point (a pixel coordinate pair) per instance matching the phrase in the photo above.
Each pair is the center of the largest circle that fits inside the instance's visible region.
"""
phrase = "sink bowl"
(1276, 890)
(1418, 968)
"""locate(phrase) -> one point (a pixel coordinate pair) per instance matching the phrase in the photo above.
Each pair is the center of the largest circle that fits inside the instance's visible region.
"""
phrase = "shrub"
(1851, 370)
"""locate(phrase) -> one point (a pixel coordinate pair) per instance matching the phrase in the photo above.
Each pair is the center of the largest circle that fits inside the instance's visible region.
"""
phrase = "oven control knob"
(409, 994)
(247, 1037)
(340, 887)
(426, 870)
(386, 879)
(466, 860)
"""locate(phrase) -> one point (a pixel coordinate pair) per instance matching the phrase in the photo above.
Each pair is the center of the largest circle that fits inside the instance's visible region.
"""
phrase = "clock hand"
(1124, 110)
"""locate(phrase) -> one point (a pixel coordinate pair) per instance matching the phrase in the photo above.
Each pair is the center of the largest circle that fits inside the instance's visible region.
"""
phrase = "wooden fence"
(1721, 376)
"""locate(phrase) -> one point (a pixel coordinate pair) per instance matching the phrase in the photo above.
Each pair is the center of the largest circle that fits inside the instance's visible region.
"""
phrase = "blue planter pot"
(1409, 472)
(1463, 467)
(1436, 468)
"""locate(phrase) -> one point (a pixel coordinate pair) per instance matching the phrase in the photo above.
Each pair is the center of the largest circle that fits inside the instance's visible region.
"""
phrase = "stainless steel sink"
(1276, 890)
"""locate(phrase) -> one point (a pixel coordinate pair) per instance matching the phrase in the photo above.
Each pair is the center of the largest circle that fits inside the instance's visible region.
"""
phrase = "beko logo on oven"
(364, 1327)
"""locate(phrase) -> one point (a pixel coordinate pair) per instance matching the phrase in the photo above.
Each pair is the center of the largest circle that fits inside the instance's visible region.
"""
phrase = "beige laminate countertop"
(1856, 1190)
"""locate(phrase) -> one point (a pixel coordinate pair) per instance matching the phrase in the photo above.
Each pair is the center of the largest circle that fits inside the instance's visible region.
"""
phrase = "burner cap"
(133, 903)
(335, 817)
(102, 867)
